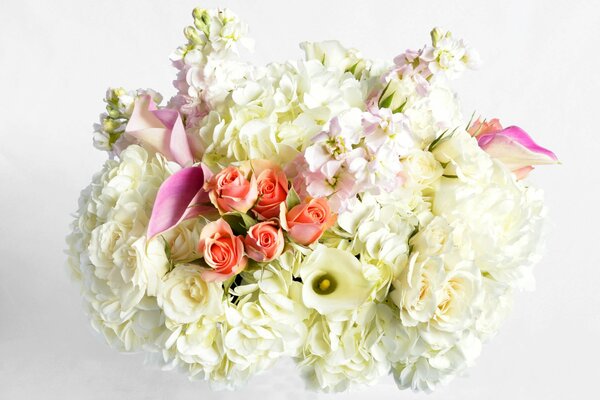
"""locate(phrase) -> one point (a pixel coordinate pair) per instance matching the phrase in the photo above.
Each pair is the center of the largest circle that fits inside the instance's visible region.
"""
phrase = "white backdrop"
(541, 63)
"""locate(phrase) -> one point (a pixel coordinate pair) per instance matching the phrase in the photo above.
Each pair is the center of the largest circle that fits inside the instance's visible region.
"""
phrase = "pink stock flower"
(162, 131)
(306, 222)
(272, 187)
(222, 251)
(512, 146)
(230, 190)
(264, 241)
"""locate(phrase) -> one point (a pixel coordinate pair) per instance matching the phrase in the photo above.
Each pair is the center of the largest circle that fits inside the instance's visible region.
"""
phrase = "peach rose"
(272, 189)
(480, 127)
(306, 222)
(222, 251)
(264, 241)
(230, 190)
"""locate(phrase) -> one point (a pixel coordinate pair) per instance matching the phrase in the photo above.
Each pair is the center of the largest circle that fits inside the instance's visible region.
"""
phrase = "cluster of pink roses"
(258, 189)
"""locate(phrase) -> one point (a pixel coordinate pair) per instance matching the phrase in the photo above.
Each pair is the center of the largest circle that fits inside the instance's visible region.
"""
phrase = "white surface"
(56, 59)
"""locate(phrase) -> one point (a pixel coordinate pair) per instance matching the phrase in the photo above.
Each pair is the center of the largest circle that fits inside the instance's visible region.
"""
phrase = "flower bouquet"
(336, 210)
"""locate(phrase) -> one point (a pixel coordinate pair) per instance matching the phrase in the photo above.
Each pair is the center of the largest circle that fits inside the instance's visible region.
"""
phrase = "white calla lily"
(333, 281)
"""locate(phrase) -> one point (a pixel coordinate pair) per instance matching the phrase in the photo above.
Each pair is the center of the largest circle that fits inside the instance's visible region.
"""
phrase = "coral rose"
(272, 189)
(230, 190)
(264, 241)
(306, 222)
(222, 251)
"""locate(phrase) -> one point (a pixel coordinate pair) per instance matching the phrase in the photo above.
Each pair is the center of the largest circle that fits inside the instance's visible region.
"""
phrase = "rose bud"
(264, 241)
(272, 189)
(306, 222)
(222, 251)
(230, 190)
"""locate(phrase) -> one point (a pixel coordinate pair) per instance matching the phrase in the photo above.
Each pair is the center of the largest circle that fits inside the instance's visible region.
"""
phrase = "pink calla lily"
(514, 148)
(180, 197)
(161, 130)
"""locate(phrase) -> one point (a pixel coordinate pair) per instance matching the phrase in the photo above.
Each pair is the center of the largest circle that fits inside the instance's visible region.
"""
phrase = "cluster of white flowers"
(392, 241)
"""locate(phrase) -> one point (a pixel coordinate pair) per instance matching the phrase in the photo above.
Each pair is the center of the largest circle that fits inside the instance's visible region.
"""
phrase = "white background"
(541, 72)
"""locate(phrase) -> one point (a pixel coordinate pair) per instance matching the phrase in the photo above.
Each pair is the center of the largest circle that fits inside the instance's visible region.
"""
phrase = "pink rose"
(512, 146)
(230, 190)
(272, 189)
(306, 222)
(222, 251)
(264, 241)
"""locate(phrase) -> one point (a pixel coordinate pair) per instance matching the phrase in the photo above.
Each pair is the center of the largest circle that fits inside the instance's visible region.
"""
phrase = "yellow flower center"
(324, 284)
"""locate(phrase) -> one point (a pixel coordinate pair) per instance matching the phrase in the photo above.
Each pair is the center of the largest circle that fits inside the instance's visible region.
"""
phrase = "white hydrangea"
(502, 221)
(338, 355)
(265, 323)
(105, 250)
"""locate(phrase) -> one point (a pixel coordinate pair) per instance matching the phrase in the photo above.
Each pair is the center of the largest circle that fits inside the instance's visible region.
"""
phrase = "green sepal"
(239, 222)
(292, 199)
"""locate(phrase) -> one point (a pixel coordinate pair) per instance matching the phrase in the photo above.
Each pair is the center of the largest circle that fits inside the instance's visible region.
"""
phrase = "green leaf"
(444, 136)
(239, 222)
(400, 107)
(387, 102)
(292, 199)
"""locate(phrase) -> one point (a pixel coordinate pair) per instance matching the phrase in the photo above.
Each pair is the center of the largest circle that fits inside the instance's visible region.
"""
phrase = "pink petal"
(515, 148)
(179, 197)
(178, 143)
(160, 130)
(522, 173)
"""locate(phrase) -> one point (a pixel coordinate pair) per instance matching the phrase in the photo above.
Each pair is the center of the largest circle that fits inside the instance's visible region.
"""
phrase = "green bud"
(191, 34)
(109, 125)
(435, 36)
(113, 112)
(202, 20)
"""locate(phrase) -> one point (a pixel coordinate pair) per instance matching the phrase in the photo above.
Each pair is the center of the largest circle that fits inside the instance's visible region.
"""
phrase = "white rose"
(185, 296)
(419, 289)
(422, 167)
(434, 238)
(463, 157)
(333, 281)
(183, 240)
(458, 306)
